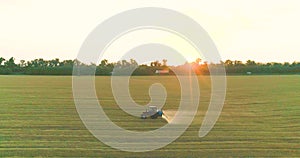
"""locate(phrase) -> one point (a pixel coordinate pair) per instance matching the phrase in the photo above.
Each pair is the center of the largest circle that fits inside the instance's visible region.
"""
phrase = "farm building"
(166, 71)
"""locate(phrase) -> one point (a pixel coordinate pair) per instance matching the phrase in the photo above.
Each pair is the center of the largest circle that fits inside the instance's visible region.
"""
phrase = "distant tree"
(286, 64)
(22, 63)
(69, 63)
(54, 63)
(1, 60)
(56, 67)
(155, 64)
(10, 63)
(228, 63)
(198, 60)
(133, 62)
(34, 63)
(295, 63)
(221, 63)
(250, 62)
(276, 64)
(103, 63)
(238, 63)
(152, 64)
(164, 62)
(124, 63)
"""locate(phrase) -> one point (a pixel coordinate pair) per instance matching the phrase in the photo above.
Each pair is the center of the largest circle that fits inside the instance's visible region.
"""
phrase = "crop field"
(261, 117)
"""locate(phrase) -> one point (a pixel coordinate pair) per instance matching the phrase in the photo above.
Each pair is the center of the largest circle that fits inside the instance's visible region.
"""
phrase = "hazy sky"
(261, 30)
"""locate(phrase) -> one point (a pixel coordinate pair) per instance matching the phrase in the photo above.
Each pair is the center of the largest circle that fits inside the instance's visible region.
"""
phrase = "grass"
(261, 117)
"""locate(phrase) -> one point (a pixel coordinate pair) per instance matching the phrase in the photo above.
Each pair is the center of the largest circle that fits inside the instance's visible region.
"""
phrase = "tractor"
(152, 112)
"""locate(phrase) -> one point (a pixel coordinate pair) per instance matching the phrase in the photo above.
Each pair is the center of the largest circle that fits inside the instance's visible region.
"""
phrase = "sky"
(260, 30)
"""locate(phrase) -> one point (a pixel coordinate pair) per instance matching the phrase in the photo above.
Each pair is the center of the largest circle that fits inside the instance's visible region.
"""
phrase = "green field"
(261, 117)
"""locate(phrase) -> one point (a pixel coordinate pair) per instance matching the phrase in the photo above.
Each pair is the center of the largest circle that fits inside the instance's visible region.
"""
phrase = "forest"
(106, 68)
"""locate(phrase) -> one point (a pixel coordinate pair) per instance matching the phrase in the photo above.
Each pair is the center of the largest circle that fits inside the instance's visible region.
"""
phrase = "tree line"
(105, 68)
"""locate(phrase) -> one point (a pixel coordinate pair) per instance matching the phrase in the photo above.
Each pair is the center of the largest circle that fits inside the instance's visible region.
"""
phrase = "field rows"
(261, 117)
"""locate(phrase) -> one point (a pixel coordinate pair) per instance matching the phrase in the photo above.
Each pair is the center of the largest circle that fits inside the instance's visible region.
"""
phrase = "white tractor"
(152, 112)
